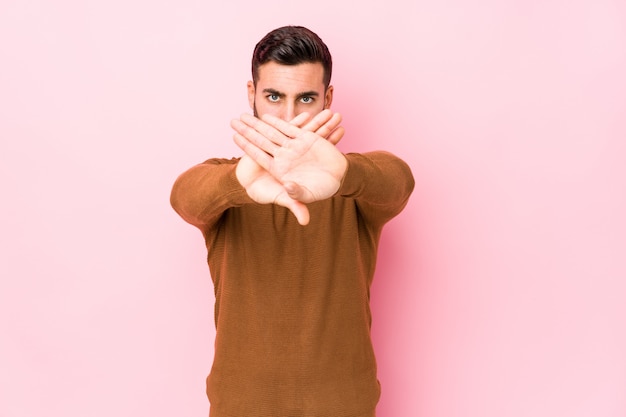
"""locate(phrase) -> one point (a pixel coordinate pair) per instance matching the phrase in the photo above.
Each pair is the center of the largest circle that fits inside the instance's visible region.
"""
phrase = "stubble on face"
(256, 113)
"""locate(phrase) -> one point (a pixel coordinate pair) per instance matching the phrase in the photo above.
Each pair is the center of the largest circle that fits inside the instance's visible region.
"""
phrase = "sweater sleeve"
(379, 182)
(201, 194)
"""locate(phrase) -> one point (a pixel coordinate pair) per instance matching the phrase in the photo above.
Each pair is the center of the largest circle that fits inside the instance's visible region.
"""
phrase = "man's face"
(288, 90)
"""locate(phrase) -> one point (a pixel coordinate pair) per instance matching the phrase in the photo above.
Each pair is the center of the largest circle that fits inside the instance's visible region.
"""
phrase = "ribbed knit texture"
(292, 302)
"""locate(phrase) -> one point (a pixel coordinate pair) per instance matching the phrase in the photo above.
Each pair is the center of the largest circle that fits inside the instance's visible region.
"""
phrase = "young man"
(292, 229)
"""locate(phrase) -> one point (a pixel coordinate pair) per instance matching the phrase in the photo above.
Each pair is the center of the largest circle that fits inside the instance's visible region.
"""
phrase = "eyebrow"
(282, 95)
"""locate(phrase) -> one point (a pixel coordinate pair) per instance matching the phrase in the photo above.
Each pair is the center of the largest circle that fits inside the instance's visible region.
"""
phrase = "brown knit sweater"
(292, 302)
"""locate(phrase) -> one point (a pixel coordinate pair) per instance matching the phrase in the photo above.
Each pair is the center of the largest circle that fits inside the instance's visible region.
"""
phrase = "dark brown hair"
(292, 45)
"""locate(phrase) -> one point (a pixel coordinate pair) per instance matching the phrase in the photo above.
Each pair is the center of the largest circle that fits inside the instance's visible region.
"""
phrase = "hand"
(322, 125)
(289, 165)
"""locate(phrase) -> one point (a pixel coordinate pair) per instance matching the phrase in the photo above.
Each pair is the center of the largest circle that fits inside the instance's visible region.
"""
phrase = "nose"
(290, 112)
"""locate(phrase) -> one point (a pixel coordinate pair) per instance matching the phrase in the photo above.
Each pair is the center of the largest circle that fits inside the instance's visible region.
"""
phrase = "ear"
(251, 91)
(328, 97)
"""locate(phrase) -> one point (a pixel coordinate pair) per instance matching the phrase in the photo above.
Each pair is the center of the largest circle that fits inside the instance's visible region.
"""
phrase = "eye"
(273, 98)
(307, 100)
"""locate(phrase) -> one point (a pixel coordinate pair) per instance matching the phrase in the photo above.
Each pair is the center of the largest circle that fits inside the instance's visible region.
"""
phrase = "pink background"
(501, 289)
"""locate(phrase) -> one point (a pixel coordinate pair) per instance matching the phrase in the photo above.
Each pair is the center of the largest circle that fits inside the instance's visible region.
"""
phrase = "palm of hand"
(309, 166)
(260, 185)
(288, 165)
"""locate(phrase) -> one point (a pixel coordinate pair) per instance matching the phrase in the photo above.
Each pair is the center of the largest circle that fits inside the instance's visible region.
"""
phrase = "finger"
(268, 131)
(319, 120)
(336, 135)
(285, 128)
(254, 136)
(329, 126)
(300, 119)
(257, 154)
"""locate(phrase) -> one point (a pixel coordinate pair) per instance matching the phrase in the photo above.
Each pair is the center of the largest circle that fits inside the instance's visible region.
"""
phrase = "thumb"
(302, 213)
(299, 210)
(296, 191)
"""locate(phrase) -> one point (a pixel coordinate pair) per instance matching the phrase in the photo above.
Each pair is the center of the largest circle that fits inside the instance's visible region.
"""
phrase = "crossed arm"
(290, 163)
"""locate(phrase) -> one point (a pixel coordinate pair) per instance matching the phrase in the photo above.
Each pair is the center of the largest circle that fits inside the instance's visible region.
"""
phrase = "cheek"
(262, 108)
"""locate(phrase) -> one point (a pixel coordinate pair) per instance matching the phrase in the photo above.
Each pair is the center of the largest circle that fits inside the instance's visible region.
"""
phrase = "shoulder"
(221, 161)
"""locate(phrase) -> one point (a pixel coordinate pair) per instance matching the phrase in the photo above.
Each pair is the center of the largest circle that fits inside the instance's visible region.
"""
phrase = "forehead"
(291, 78)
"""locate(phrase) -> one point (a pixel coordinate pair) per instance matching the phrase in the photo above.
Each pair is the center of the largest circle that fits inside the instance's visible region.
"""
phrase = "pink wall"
(501, 289)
